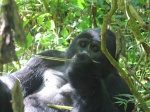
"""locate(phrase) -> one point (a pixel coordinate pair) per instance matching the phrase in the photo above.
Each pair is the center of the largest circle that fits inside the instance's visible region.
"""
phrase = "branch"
(46, 6)
(113, 61)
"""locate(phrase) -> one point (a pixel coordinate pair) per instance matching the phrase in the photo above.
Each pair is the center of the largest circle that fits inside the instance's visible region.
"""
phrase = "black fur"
(89, 83)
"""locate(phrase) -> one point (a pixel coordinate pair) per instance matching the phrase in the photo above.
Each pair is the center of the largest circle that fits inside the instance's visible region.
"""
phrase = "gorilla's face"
(89, 47)
(88, 42)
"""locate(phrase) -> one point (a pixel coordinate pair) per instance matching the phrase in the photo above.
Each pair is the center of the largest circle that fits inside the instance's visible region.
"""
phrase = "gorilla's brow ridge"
(92, 34)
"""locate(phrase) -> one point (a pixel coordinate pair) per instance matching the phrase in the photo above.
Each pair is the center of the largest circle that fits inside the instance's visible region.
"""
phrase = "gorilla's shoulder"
(54, 53)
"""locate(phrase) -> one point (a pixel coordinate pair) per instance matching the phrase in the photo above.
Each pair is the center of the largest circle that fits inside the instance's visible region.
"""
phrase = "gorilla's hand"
(81, 73)
(81, 62)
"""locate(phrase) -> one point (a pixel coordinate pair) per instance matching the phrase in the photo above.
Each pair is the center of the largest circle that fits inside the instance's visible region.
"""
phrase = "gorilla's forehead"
(91, 34)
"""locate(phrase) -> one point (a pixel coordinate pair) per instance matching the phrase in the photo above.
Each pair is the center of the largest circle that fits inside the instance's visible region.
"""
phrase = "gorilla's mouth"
(87, 54)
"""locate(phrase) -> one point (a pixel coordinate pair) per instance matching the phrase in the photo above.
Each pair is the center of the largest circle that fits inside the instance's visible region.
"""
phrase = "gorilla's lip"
(86, 54)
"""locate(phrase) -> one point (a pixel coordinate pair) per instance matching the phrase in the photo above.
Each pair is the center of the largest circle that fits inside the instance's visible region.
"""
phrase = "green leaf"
(17, 98)
(108, 1)
(148, 85)
(52, 24)
(142, 2)
(20, 51)
(29, 40)
(40, 20)
(48, 24)
(64, 32)
(25, 22)
(80, 4)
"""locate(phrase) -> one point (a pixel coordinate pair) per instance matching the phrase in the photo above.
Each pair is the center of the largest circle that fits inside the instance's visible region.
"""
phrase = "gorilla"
(88, 82)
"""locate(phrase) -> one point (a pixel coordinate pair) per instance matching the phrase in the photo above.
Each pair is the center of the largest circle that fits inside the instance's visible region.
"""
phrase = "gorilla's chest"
(55, 88)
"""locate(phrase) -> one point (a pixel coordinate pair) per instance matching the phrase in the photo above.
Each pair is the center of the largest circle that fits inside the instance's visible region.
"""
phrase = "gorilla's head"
(89, 42)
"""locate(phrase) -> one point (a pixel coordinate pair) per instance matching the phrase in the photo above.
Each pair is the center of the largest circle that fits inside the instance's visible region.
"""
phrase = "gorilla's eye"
(95, 48)
(82, 44)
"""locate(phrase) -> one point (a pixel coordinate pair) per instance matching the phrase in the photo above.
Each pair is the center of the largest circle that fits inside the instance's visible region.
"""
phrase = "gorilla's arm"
(116, 86)
(90, 92)
(30, 76)
(32, 72)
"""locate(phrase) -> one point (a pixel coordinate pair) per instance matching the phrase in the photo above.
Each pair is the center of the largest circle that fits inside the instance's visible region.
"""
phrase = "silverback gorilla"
(88, 83)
